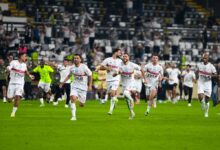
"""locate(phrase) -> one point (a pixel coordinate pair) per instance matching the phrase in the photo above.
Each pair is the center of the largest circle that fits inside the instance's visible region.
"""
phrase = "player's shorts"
(3, 83)
(44, 86)
(101, 85)
(205, 89)
(15, 90)
(171, 86)
(112, 85)
(149, 88)
(80, 94)
(138, 86)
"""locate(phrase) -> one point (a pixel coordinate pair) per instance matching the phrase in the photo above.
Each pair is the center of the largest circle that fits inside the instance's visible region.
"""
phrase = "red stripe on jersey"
(18, 71)
(204, 73)
(79, 75)
(127, 73)
(154, 73)
(113, 66)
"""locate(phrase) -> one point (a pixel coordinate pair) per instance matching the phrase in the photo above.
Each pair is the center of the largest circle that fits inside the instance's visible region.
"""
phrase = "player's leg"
(67, 90)
(153, 93)
(73, 98)
(18, 94)
(190, 92)
(82, 97)
(130, 102)
(113, 86)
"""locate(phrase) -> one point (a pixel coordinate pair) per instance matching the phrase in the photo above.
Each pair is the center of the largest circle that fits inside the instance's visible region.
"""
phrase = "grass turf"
(168, 126)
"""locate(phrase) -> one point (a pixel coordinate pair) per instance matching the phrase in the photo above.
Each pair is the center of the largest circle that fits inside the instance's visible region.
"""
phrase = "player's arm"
(89, 74)
(144, 76)
(90, 83)
(30, 75)
(66, 79)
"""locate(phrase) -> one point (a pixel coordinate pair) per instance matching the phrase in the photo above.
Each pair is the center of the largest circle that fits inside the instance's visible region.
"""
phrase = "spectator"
(175, 39)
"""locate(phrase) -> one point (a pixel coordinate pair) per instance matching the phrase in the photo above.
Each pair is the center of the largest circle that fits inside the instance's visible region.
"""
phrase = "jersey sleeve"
(50, 69)
(105, 62)
(136, 67)
(88, 71)
(36, 69)
(11, 65)
(214, 70)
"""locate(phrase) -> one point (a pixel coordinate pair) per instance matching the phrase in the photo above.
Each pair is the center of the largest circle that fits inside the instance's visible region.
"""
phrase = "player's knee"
(126, 93)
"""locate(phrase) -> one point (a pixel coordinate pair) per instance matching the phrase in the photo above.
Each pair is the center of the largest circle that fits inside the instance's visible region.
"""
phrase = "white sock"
(14, 109)
(96, 96)
(106, 97)
(112, 104)
(129, 99)
(207, 107)
(203, 104)
(41, 100)
(148, 108)
(73, 109)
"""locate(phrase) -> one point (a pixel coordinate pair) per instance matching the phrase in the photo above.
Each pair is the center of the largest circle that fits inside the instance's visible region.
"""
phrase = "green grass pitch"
(169, 126)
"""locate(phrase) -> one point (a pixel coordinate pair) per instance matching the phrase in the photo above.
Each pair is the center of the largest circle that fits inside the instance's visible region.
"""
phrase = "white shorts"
(44, 86)
(205, 89)
(80, 94)
(149, 88)
(138, 86)
(112, 85)
(15, 90)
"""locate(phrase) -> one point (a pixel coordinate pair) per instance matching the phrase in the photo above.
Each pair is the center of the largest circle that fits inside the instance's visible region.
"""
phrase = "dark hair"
(154, 54)
(20, 54)
(189, 65)
(78, 55)
(116, 50)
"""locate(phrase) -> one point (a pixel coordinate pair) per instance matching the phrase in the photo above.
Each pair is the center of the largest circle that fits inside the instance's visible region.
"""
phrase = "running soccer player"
(17, 70)
(45, 81)
(173, 82)
(82, 82)
(112, 65)
(205, 71)
(153, 74)
(188, 80)
(126, 70)
(64, 70)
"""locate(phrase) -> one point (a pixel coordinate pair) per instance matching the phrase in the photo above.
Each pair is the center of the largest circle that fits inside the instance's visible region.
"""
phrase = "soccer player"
(112, 65)
(45, 81)
(64, 70)
(205, 71)
(17, 70)
(188, 80)
(126, 70)
(173, 82)
(153, 74)
(3, 77)
(82, 82)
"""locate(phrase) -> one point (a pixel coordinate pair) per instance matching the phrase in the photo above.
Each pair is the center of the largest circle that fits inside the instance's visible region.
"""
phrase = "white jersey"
(115, 64)
(17, 72)
(127, 73)
(153, 73)
(81, 74)
(188, 78)
(64, 72)
(173, 76)
(205, 72)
